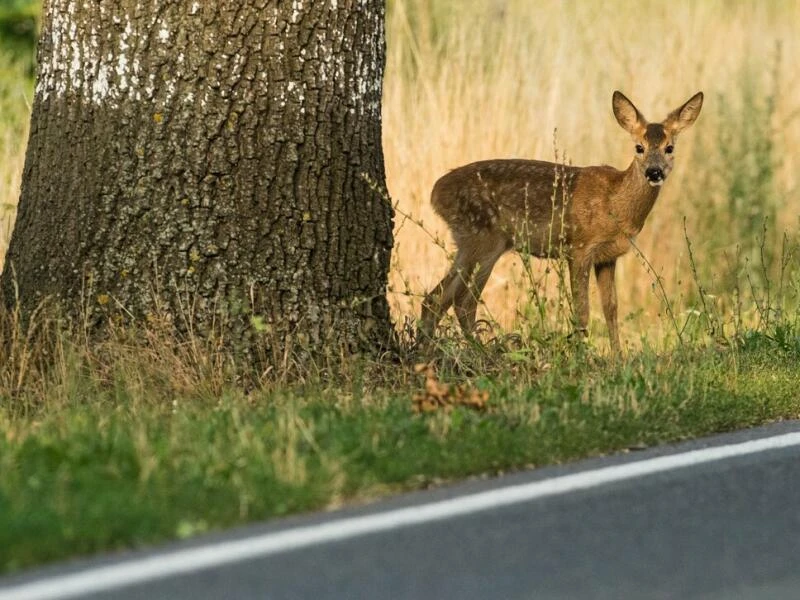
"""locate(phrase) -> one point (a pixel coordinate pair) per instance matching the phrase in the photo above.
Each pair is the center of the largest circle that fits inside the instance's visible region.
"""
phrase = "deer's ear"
(629, 118)
(680, 118)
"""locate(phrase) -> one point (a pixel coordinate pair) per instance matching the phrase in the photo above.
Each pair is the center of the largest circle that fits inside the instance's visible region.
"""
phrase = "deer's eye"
(669, 149)
(639, 149)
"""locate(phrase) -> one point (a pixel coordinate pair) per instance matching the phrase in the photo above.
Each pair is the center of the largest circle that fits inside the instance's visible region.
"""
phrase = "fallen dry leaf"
(443, 396)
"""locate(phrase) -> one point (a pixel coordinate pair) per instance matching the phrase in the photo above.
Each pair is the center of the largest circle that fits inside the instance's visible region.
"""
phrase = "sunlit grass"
(496, 79)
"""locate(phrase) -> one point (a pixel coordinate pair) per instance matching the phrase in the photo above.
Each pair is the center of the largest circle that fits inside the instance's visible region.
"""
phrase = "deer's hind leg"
(467, 299)
(441, 297)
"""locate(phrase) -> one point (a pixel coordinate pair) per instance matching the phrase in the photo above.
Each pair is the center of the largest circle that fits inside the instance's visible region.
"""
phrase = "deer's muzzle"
(654, 175)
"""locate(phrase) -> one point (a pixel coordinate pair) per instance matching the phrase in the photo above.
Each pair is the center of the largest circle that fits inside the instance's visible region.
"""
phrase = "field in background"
(511, 78)
(490, 79)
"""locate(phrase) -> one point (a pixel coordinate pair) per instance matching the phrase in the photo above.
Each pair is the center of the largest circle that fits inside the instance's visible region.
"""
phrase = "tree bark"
(211, 162)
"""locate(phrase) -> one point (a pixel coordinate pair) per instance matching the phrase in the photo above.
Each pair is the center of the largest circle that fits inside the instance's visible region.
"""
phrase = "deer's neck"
(633, 200)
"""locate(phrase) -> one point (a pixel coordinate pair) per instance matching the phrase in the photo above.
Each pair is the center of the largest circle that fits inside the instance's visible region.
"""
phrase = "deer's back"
(515, 197)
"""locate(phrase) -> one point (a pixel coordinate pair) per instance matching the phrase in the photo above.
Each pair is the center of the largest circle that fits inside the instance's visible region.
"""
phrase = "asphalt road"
(651, 524)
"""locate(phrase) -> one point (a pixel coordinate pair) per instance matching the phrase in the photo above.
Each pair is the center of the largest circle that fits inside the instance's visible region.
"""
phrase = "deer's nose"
(654, 174)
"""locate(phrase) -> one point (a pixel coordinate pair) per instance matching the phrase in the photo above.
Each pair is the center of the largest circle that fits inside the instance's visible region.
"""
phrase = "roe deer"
(588, 215)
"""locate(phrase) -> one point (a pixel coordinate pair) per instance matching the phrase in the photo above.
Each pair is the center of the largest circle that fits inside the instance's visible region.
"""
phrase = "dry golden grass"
(12, 158)
(15, 105)
(496, 78)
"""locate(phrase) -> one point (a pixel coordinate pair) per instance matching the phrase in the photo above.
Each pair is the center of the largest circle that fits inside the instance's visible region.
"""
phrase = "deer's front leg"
(579, 281)
(608, 296)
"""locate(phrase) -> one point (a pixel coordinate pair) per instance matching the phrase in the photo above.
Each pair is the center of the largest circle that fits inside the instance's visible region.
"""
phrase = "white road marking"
(141, 570)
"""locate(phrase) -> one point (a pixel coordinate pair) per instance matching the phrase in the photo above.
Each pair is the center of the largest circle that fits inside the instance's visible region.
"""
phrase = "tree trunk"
(209, 162)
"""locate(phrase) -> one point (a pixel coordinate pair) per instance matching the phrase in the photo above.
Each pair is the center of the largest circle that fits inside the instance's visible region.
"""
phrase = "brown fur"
(586, 214)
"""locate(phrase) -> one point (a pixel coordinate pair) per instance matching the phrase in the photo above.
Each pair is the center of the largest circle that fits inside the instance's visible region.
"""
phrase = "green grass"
(121, 460)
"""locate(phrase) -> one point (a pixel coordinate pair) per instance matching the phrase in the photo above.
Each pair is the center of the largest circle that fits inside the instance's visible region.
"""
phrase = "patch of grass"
(126, 448)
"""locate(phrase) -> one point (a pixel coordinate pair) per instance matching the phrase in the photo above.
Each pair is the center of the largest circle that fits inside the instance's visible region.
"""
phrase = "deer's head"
(655, 142)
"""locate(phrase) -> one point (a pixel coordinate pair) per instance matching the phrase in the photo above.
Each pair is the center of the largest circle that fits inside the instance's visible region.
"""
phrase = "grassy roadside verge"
(120, 462)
